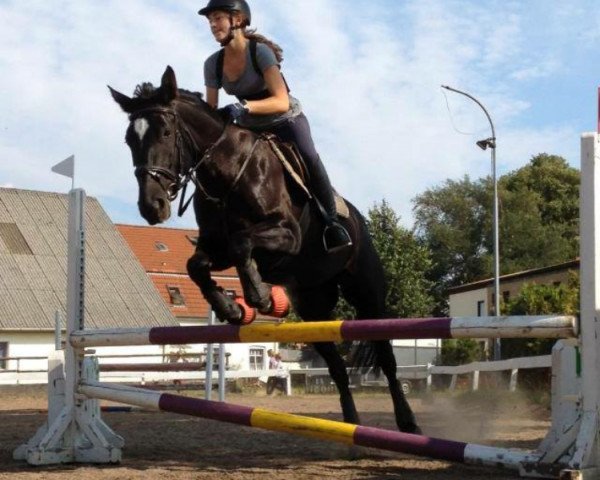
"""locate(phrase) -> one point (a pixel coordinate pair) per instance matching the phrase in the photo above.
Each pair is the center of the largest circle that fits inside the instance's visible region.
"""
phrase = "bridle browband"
(179, 181)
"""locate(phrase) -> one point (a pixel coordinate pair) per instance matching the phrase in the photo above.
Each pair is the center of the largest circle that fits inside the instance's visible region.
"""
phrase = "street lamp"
(484, 144)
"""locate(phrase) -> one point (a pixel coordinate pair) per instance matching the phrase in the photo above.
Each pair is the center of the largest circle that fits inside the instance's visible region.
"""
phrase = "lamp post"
(484, 144)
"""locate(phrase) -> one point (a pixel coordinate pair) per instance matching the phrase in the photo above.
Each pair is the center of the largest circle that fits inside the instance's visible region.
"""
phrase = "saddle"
(294, 165)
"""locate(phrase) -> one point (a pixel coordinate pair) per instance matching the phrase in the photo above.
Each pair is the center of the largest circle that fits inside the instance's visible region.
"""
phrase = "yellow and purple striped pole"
(545, 326)
(310, 427)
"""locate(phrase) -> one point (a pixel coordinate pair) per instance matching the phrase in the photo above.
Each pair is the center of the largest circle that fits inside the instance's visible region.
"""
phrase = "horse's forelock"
(145, 90)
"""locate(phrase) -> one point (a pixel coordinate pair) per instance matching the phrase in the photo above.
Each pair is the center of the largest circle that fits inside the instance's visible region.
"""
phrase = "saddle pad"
(341, 206)
(287, 155)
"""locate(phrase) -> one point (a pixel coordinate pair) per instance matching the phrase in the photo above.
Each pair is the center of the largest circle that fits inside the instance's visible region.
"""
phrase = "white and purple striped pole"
(336, 331)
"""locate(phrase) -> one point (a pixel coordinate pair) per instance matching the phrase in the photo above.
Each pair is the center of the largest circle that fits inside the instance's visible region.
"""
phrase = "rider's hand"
(235, 110)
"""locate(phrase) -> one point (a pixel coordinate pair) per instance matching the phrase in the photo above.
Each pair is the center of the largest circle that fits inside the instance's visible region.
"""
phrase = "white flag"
(66, 167)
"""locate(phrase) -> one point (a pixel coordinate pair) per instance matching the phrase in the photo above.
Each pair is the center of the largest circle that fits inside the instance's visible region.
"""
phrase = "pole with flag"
(66, 168)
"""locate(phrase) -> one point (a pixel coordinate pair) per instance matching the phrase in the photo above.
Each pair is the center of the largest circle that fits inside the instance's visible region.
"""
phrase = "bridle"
(179, 181)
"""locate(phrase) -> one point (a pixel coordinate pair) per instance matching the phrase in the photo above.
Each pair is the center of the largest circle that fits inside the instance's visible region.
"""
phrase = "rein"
(180, 180)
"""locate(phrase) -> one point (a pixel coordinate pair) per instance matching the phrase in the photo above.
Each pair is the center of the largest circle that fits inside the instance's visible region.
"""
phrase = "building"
(118, 291)
(477, 298)
(33, 266)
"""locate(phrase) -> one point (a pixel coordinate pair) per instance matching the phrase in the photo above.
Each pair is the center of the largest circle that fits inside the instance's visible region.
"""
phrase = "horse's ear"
(168, 85)
(124, 101)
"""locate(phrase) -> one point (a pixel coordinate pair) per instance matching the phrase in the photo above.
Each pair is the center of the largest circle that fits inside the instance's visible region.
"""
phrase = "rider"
(264, 103)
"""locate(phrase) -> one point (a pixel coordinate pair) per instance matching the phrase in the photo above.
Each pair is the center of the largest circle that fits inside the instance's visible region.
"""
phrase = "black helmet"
(228, 6)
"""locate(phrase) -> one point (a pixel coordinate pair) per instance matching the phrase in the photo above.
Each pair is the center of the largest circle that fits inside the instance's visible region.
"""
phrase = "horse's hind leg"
(365, 290)
(318, 304)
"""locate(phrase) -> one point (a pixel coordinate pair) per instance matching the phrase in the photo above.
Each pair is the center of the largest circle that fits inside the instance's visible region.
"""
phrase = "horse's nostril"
(158, 204)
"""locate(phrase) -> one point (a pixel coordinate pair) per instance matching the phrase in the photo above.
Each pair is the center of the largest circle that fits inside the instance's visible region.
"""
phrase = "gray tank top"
(250, 83)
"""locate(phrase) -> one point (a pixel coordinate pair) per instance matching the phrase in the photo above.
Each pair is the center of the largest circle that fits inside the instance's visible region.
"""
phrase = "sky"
(367, 72)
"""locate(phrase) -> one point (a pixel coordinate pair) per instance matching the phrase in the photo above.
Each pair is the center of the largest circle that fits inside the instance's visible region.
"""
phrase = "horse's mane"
(148, 92)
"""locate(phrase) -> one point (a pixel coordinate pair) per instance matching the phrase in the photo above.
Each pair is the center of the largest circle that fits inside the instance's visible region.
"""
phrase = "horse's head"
(155, 141)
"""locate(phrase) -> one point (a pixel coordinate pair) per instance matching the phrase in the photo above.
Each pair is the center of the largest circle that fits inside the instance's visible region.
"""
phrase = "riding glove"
(235, 110)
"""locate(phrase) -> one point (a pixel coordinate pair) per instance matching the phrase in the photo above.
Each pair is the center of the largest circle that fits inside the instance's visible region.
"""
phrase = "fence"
(316, 380)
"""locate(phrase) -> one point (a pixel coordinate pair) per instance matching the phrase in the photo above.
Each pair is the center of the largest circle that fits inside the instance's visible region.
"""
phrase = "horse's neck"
(201, 124)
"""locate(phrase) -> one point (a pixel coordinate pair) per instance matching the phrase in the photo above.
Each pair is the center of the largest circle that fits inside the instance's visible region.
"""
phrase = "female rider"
(264, 103)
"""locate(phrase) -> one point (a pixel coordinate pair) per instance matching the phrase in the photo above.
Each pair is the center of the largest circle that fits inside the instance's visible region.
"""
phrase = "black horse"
(251, 216)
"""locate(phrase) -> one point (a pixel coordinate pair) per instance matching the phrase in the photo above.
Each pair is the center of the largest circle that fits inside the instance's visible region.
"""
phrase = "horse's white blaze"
(141, 127)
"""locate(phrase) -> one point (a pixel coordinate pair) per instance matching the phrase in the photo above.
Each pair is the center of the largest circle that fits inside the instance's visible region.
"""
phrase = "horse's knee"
(198, 264)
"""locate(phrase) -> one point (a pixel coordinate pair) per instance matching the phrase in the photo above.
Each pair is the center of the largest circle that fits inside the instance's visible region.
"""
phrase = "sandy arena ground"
(168, 446)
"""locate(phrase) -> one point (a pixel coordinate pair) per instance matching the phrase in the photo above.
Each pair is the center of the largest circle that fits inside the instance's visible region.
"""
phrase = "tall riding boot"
(335, 236)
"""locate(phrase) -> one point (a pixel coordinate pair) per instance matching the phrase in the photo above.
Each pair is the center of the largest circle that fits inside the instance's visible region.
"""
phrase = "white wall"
(464, 304)
(40, 344)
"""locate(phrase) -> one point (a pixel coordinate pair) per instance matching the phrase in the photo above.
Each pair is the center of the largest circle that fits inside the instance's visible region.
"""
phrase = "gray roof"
(33, 266)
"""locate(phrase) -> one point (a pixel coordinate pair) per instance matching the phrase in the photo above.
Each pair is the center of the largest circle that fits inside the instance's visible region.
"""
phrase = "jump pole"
(311, 427)
(548, 326)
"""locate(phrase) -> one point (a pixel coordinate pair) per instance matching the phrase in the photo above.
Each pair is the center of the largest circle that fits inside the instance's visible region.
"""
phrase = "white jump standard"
(571, 449)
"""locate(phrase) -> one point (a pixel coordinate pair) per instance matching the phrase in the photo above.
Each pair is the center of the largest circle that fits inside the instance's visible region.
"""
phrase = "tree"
(539, 221)
(534, 299)
(540, 218)
(405, 261)
(452, 221)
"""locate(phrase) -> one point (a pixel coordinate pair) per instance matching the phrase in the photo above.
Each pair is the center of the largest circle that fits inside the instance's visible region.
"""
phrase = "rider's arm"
(212, 96)
(279, 101)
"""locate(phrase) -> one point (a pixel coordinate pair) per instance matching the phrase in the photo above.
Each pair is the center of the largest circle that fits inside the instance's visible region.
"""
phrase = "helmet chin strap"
(230, 35)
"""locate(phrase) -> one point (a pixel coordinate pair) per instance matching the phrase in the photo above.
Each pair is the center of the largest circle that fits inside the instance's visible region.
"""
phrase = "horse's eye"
(167, 133)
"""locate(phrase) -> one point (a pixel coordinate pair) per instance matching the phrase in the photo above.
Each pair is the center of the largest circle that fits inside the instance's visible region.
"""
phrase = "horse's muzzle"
(157, 210)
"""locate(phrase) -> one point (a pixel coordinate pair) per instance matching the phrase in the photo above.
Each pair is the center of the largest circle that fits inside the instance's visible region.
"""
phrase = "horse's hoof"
(247, 313)
(411, 428)
(279, 304)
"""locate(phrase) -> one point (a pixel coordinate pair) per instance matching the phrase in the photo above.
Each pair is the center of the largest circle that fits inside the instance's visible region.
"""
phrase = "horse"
(251, 216)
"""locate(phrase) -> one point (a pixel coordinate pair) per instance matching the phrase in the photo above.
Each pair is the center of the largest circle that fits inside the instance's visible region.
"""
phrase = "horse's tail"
(363, 358)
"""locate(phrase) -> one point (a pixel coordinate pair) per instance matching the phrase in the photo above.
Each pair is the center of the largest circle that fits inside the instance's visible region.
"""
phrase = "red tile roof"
(167, 268)
(144, 241)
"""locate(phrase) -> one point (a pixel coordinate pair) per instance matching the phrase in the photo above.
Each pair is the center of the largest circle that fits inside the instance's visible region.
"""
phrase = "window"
(161, 247)
(175, 295)
(257, 358)
(480, 307)
(14, 239)
(3, 354)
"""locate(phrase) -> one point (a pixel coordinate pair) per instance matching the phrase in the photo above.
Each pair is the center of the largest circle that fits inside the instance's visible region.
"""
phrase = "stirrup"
(336, 238)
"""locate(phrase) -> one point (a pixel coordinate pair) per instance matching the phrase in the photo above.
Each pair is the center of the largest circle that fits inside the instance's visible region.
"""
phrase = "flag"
(66, 167)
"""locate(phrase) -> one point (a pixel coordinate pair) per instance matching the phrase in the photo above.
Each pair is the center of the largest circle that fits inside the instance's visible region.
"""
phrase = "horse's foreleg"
(272, 238)
(198, 267)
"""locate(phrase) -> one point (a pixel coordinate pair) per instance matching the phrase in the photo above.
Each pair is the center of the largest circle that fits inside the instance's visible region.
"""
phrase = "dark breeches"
(297, 130)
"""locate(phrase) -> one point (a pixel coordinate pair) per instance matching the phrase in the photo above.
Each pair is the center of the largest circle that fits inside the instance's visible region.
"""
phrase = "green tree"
(452, 221)
(405, 261)
(535, 299)
(540, 215)
(539, 221)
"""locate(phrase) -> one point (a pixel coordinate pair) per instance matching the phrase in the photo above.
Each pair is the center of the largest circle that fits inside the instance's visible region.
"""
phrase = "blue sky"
(368, 73)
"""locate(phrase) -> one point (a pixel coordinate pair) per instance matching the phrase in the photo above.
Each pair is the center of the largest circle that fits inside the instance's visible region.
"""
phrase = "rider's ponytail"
(277, 50)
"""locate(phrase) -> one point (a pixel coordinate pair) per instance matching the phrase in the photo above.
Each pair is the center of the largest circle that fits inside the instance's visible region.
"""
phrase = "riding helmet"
(228, 6)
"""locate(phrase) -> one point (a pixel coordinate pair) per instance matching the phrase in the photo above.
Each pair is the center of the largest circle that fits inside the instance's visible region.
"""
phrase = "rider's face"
(220, 23)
